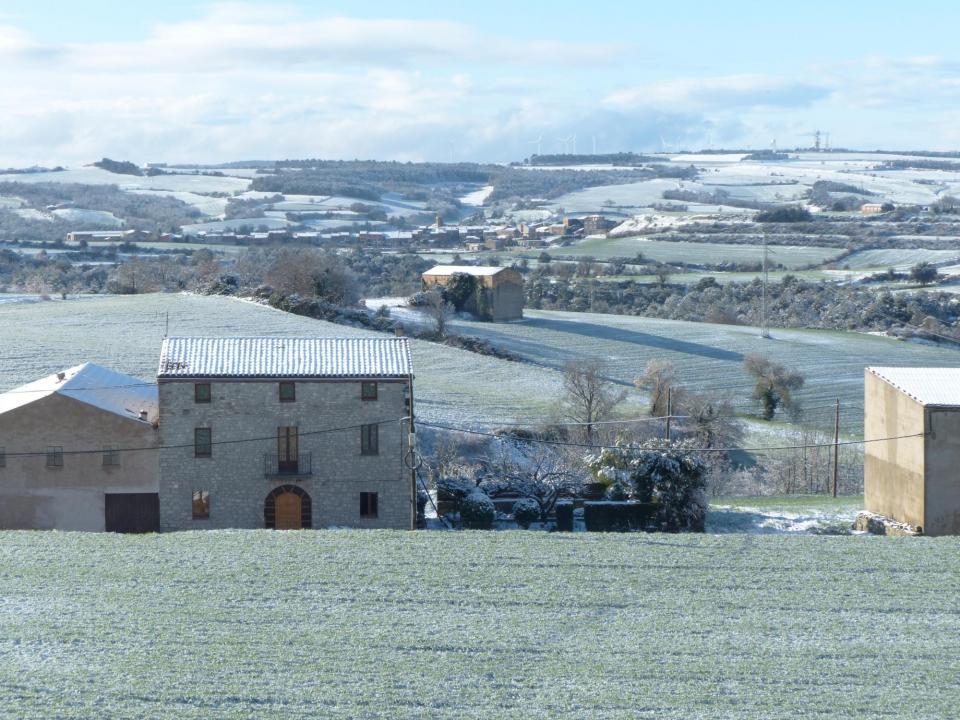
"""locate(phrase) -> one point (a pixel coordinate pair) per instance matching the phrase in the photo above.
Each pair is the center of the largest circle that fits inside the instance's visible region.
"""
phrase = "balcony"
(277, 466)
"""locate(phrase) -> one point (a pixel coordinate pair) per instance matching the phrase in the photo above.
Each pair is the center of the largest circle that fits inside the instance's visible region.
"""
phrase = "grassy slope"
(476, 625)
(124, 333)
(710, 356)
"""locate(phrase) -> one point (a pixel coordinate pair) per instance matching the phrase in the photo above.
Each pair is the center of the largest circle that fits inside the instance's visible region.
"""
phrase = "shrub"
(525, 511)
(669, 476)
(477, 511)
(564, 515)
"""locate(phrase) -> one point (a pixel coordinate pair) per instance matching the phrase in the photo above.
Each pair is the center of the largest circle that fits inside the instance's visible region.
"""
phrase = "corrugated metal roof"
(928, 386)
(91, 384)
(466, 269)
(319, 357)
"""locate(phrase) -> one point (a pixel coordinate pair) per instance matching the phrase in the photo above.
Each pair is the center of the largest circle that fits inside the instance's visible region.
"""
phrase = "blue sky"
(183, 80)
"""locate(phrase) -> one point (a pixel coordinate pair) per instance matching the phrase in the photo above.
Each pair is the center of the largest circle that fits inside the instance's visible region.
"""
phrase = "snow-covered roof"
(91, 384)
(284, 357)
(479, 270)
(928, 386)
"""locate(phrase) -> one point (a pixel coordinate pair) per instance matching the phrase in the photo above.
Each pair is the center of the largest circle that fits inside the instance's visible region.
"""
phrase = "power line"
(723, 449)
(235, 441)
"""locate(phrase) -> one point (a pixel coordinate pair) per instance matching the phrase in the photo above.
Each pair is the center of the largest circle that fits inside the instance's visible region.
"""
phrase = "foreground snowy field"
(377, 624)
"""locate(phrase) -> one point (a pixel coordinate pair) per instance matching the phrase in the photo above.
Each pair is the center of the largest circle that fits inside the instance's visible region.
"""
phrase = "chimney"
(61, 376)
(143, 415)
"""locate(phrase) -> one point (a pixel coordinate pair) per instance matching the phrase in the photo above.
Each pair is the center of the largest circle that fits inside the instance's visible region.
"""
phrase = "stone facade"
(330, 469)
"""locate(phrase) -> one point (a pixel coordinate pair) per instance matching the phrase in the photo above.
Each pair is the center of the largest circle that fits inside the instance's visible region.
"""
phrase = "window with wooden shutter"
(369, 440)
(202, 442)
(368, 504)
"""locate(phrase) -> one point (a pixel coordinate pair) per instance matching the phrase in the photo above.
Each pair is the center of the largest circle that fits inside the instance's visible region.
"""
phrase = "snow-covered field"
(709, 357)
(379, 624)
(899, 259)
(96, 176)
(789, 256)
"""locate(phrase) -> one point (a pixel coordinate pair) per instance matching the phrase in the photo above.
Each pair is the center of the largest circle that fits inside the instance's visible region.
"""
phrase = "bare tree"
(773, 384)
(532, 470)
(439, 310)
(588, 398)
(312, 273)
(658, 380)
(712, 422)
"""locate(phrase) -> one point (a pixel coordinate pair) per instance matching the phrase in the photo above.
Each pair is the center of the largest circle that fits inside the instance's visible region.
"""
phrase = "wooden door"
(287, 511)
(131, 512)
(288, 449)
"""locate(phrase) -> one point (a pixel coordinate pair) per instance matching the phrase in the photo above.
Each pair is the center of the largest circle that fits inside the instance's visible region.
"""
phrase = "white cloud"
(730, 91)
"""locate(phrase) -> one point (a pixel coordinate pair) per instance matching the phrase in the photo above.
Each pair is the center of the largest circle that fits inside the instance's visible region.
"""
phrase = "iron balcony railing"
(283, 466)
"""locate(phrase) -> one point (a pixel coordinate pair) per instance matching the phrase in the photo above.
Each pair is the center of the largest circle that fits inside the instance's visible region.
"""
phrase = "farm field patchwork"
(380, 624)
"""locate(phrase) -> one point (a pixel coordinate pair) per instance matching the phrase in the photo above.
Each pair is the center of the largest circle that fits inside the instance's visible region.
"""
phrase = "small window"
(368, 391)
(288, 392)
(54, 456)
(369, 440)
(3, 457)
(111, 456)
(202, 442)
(201, 393)
(201, 504)
(368, 504)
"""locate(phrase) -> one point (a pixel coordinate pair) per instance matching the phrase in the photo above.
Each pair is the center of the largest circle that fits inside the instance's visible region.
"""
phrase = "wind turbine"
(538, 142)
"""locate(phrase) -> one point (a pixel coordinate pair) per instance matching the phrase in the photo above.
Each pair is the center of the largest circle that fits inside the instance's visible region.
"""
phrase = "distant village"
(471, 238)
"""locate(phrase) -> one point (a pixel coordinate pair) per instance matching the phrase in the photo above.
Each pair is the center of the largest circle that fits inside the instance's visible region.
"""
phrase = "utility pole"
(669, 410)
(836, 447)
(764, 329)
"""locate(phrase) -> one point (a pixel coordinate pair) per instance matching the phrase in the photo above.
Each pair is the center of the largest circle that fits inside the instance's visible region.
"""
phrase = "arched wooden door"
(288, 511)
(287, 507)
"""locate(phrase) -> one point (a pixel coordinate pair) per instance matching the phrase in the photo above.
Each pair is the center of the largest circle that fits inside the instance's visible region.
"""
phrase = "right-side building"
(911, 459)
(286, 433)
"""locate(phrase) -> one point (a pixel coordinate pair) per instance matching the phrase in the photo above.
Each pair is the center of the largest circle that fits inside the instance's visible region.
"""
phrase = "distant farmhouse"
(285, 433)
(79, 453)
(106, 235)
(914, 479)
(496, 293)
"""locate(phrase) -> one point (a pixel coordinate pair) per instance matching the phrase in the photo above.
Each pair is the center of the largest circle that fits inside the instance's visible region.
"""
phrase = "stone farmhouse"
(498, 295)
(285, 433)
(78, 451)
(913, 479)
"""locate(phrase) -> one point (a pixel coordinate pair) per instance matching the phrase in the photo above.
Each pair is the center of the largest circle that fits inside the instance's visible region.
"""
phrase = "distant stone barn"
(497, 291)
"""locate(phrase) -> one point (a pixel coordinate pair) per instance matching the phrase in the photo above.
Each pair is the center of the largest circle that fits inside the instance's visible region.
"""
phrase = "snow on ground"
(349, 624)
(33, 214)
(97, 217)
(787, 515)
(209, 206)
(477, 197)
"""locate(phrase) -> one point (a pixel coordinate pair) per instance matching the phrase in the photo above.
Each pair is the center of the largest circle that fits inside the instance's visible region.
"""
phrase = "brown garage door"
(132, 512)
